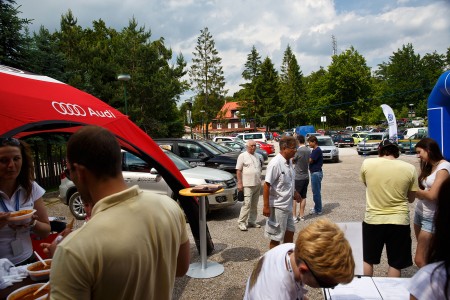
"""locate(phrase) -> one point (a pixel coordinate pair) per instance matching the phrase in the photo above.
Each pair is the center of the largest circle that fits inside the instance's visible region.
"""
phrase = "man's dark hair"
(301, 139)
(313, 139)
(389, 150)
(97, 149)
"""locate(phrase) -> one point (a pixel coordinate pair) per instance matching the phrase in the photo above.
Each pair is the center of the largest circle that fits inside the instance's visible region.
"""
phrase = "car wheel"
(76, 206)
(336, 159)
(360, 153)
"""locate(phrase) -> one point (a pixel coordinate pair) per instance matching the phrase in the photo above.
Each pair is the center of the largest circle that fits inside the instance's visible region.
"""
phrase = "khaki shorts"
(278, 223)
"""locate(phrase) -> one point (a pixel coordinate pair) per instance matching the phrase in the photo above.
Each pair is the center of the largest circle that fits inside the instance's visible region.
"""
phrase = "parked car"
(371, 142)
(343, 140)
(411, 131)
(226, 149)
(358, 137)
(269, 148)
(223, 138)
(329, 150)
(239, 145)
(137, 171)
(312, 134)
(256, 136)
(418, 122)
(409, 145)
(201, 153)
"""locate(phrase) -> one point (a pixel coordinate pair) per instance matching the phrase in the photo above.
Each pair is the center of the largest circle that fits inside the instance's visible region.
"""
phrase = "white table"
(205, 268)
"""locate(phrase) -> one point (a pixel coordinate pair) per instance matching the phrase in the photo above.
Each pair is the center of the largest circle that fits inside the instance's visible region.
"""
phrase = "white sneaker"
(302, 219)
(296, 219)
(312, 211)
(242, 227)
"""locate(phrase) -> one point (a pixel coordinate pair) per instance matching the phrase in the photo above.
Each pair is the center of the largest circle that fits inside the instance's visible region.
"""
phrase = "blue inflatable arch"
(439, 114)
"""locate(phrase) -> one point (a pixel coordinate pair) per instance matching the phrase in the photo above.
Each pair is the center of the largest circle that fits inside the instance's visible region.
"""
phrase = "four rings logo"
(76, 110)
(69, 109)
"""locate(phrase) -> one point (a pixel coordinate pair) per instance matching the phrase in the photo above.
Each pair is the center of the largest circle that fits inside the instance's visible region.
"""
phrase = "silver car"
(329, 150)
(136, 171)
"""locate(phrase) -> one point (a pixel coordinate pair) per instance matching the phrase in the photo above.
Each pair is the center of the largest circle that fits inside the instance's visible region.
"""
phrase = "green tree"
(14, 42)
(292, 92)
(349, 84)
(247, 96)
(317, 96)
(206, 76)
(403, 78)
(267, 97)
(45, 57)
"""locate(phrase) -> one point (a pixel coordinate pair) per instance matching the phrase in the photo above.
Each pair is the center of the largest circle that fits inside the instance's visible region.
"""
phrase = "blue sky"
(375, 28)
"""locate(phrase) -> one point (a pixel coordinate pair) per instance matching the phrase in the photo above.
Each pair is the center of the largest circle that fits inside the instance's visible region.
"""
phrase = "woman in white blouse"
(432, 282)
(434, 170)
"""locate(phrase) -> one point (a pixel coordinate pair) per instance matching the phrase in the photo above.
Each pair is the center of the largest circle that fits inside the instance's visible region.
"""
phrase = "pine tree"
(13, 42)
(247, 98)
(207, 78)
(292, 91)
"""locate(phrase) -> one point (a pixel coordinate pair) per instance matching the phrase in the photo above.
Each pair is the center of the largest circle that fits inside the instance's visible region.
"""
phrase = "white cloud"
(374, 28)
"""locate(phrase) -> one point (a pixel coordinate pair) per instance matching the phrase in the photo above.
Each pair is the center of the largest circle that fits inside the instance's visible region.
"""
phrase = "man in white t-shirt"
(278, 194)
(248, 173)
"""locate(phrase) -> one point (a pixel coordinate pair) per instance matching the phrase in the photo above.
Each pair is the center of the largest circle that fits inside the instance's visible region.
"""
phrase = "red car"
(270, 149)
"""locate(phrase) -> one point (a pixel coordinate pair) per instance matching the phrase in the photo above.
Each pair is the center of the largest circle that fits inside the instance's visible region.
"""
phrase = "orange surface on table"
(187, 192)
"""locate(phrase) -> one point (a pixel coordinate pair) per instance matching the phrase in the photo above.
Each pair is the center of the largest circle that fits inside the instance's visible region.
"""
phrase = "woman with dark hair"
(433, 280)
(434, 170)
(18, 191)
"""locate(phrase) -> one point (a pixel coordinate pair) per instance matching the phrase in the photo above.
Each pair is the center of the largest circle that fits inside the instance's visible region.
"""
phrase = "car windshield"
(221, 148)
(210, 148)
(344, 136)
(325, 142)
(178, 161)
(374, 137)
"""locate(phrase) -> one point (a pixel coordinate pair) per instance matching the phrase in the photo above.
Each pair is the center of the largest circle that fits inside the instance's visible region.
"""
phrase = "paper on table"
(206, 188)
(392, 288)
(360, 288)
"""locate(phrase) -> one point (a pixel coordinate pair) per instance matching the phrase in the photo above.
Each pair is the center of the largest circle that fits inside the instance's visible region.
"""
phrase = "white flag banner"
(392, 122)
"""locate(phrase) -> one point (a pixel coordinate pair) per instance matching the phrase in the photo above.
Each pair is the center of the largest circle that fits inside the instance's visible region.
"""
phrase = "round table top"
(187, 192)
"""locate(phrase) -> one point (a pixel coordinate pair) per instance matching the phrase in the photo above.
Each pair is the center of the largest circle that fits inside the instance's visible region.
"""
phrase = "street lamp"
(125, 78)
(323, 119)
(203, 129)
(189, 114)
(411, 113)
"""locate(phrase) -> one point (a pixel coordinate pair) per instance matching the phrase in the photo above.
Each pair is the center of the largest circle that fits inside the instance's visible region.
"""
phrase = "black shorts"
(398, 244)
(301, 186)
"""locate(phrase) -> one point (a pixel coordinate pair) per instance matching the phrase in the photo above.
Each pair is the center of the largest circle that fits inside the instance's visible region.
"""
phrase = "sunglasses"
(9, 142)
(320, 282)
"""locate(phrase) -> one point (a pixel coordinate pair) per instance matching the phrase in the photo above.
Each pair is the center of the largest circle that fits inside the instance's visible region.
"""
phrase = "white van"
(256, 136)
(410, 131)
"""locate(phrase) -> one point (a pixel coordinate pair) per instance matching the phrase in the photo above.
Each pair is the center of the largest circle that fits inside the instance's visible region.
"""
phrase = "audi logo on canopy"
(69, 109)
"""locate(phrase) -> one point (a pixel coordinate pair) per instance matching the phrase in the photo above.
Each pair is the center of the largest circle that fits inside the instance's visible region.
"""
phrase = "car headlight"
(219, 182)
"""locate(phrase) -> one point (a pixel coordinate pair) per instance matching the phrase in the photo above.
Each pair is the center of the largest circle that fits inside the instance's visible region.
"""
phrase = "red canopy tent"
(31, 104)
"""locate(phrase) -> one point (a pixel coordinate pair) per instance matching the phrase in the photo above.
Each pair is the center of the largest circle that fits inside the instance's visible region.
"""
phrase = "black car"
(201, 153)
(343, 140)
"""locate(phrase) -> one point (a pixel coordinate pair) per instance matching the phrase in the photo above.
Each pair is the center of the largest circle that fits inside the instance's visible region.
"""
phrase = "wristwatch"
(32, 225)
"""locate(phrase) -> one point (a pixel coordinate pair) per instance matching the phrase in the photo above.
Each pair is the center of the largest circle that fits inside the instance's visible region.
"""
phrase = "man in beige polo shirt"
(248, 172)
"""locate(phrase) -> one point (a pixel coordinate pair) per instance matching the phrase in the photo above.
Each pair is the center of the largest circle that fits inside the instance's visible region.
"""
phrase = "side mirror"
(202, 155)
(153, 171)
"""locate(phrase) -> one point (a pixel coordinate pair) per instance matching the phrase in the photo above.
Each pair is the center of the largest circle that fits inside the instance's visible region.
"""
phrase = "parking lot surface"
(343, 197)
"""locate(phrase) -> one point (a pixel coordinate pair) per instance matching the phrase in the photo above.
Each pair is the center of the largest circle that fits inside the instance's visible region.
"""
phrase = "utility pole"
(334, 42)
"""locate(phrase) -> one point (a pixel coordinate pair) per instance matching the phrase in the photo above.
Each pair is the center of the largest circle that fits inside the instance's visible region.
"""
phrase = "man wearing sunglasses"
(320, 258)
